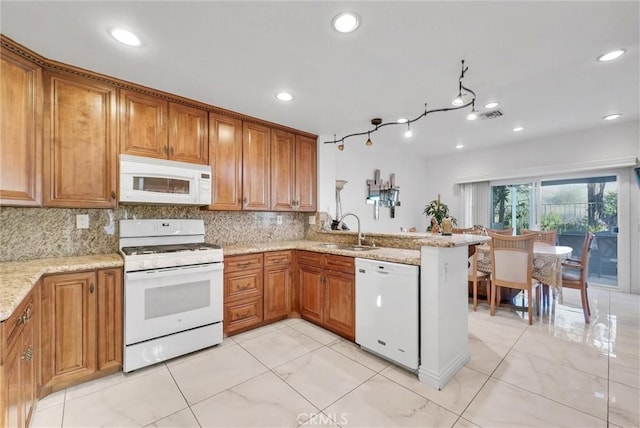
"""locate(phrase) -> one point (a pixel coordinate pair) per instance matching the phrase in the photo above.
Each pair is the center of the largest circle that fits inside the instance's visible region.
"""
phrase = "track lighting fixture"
(408, 133)
(473, 114)
(458, 103)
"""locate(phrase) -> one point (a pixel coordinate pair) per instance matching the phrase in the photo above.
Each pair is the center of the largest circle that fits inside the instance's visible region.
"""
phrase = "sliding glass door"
(572, 206)
(579, 205)
(513, 206)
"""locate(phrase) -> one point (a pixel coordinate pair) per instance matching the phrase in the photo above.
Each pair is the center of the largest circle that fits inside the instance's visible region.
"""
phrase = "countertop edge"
(17, 278)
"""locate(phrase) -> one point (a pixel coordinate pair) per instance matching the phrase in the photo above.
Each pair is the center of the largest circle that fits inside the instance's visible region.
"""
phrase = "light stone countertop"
(18, 277)
(397, 255)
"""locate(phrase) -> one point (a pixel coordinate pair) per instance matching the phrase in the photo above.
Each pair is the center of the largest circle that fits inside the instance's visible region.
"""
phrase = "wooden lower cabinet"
(327, 291)
(81, 327)
(19, 362)
(277, 284)
(257, 289)
(243, 282)
(311, 283)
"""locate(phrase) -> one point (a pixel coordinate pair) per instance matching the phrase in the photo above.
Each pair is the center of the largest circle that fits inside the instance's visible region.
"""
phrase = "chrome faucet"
(358, 219)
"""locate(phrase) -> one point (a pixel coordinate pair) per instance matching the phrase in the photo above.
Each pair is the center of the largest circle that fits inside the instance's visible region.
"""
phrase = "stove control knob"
(155, 263)
(179, 261)
(142, 263)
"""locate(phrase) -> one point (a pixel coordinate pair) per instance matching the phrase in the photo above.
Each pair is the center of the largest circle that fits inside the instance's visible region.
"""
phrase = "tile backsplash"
(34, 233)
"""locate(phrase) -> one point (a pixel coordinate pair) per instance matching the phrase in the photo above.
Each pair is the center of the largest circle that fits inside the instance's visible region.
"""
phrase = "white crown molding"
(565, 168)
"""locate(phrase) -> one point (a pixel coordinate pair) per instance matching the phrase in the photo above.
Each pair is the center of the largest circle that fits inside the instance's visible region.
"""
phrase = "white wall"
(357, 164)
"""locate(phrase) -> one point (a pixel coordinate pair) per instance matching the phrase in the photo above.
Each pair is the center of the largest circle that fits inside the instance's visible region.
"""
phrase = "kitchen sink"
(348, 247)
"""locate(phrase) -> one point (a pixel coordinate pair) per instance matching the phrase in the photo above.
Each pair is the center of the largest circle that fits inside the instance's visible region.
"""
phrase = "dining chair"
(547, 236)
(507, 232)
(467, 230)
(512, 267)
(575, 273)
(476, 277)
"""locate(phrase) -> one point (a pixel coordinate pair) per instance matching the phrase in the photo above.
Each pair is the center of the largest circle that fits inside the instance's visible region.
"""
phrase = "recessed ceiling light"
(518, 129)
(346, 22)
(492, 104)
(284, 96)
(612, 116)
(402, 120)
(125, 37)
(610, 56)
(459, 146)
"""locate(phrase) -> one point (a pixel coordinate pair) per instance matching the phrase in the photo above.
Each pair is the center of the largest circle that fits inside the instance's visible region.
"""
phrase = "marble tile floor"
(558, 372)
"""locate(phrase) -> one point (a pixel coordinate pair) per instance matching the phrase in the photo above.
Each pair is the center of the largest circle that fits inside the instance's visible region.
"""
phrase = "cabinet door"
(80, 143)
(13, 403)
(225, 158)
(28, 370)
(277, 286)
(340, 303)
(306, 174)
(68, 327)
(110, 318)
(143, 125)
(188, 136)
(20, 131)
(283, 146)
(256, 161)
(311, 293)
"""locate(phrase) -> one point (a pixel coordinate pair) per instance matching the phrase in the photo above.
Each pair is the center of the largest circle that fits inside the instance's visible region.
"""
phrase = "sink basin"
(356, 247)
(347, 247)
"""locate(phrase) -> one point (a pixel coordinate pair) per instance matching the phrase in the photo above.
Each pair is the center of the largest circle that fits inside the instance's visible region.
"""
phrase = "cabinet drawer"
(242, 285)
(22, 315)
(277, 258)
(340, 263)
(240, 263)
(242, 314)
(310, 258)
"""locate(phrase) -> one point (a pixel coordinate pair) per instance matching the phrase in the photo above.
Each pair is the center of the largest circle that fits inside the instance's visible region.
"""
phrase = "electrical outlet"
(82, 221)
(312, 219)
(278, 219)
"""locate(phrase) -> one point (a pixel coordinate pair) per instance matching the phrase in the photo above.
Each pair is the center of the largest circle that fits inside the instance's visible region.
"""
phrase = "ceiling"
(536, 58)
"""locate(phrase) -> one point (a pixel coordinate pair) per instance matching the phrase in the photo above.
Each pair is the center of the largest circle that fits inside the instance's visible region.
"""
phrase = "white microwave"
(159, 181)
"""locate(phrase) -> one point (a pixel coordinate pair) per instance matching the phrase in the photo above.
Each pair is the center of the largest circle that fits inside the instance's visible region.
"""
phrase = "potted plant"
(438, 211)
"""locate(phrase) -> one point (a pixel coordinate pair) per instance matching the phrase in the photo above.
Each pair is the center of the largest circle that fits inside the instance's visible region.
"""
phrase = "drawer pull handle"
(243, 265)
(245, 287)
(91, 288)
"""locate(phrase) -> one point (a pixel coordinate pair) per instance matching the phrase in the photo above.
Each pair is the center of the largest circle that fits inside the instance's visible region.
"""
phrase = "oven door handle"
(172, 271)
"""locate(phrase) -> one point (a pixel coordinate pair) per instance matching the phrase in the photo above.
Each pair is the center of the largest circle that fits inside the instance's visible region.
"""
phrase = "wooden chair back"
(512, 267)
(575, 273)
(467, 230)
(507, 232)
(547, 236)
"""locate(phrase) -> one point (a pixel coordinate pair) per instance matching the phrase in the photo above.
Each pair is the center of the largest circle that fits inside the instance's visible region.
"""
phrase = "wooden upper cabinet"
(306, 174)
(256, 167)
(188, 134)
(20, 131)
(143, 125)
(283, 170)
(225, 158)
(80, 147)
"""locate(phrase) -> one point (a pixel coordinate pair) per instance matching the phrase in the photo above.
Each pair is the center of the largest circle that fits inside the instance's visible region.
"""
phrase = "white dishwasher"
(388, 310)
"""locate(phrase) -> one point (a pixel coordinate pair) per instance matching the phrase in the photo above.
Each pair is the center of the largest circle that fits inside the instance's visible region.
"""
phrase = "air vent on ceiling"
(491, 114)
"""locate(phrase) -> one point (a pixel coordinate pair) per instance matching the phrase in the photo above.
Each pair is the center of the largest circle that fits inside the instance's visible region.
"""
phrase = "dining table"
(547, 263)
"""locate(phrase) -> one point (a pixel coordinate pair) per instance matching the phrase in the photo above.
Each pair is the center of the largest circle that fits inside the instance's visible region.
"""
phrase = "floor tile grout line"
(183, 396)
